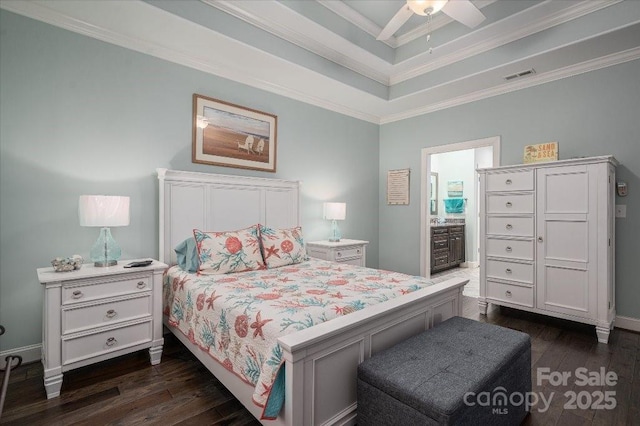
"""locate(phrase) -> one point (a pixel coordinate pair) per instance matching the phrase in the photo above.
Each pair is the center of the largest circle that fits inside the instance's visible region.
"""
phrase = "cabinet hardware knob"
(339, 254)
(509, 204)
(111, 341)
(508, 182)
(508, 249)
(540, 239)
(358, 251)
(111, 313)
(77, 294)
(507, 293)
(509, 226)
(141, 284)
(508, 271)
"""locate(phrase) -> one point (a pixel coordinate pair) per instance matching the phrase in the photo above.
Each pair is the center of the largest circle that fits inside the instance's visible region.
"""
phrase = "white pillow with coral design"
(281, 247)
(227, 252)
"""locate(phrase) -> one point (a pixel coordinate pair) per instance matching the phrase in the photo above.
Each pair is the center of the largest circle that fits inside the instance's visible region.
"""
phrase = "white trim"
(31, 353)
(518, 26)
(283, 22)
(628, 323)
(425, 193)
(534, 80)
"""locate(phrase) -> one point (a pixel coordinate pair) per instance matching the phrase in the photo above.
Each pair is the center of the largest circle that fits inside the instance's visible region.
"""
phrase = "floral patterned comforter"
(237, 318)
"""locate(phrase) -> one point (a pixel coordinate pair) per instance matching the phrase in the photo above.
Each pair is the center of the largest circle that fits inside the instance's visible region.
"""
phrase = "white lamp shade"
(335, 211)
(103, 210)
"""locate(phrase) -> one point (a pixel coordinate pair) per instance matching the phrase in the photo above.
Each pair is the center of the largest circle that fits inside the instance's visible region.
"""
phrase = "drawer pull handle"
(339, 254)
(509, 226)
(509, 204)
(111, 341)
(508, 249)
(540, 239)
(358, 251)
(77, 294)
(508, 182)
(141, 284)
(508, 271)
(507, 293)
(111, 313)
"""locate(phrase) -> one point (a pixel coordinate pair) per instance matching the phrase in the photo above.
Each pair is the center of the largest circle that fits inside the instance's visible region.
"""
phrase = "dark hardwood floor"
(181, 391)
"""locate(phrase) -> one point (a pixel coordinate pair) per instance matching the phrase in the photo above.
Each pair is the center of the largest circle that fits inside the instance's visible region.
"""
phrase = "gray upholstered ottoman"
(460, 372)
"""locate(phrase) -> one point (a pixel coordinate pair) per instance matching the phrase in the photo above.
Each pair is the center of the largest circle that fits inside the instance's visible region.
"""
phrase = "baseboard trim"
(628, 323)
(30, 353)
(470, 265)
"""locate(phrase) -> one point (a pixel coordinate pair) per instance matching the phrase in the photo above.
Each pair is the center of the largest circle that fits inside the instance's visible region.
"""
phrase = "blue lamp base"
(105, 251)
(335, 232)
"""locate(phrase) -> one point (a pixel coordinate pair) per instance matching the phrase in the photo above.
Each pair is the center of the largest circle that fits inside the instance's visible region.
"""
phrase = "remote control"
(139, 263)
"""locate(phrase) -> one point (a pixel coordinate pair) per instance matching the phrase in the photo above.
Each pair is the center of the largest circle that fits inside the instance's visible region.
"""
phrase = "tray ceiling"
(325, 52)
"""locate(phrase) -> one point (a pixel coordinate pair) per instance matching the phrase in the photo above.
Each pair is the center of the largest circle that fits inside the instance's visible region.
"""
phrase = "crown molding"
(282, 22)
(68, 16)
(494, 35)
(534, 80)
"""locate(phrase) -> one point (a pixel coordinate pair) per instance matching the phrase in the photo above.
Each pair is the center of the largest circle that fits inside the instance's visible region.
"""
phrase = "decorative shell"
(67, 264)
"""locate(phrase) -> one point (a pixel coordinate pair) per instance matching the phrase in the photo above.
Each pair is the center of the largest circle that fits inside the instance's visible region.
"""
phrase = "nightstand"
(94, 314)
(353, 252)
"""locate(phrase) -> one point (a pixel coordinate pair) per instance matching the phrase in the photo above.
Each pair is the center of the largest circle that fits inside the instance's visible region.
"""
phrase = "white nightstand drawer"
(517, 226)
(93, 345)
(510, 203)
(514, 249)
(348, 253)
(514, 271)
(510, 181)
(521, 295)
(81, 293)
(87, 317)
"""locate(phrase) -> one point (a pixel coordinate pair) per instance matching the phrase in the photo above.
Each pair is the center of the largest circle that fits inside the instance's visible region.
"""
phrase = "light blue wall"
(79, 116)
(592, 114)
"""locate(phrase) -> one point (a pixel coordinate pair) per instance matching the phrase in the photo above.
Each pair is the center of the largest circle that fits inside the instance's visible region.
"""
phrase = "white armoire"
(547, 239)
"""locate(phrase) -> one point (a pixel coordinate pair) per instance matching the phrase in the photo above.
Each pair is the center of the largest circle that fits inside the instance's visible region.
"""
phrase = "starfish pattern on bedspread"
(238, 318)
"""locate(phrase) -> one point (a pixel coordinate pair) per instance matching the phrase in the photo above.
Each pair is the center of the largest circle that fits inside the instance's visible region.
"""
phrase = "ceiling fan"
(462, 11)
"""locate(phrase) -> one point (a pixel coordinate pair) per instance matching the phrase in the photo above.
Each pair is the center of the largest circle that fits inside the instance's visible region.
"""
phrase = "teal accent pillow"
(187, 254)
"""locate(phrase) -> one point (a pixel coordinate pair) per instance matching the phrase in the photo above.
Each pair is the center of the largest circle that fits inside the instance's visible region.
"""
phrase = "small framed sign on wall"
(541, 152)
(398, 187)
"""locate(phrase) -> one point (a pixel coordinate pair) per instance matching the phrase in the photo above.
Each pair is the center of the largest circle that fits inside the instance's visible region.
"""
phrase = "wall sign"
(541, 152)
(398, 187)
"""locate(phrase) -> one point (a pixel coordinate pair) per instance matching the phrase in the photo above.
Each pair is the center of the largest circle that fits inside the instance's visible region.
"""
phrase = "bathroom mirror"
(434, 194)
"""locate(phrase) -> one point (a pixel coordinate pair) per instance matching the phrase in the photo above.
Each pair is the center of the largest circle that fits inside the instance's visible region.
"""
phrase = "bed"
(318, 363)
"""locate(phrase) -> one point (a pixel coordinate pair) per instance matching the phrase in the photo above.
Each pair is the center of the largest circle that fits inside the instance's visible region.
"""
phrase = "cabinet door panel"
(566, 253)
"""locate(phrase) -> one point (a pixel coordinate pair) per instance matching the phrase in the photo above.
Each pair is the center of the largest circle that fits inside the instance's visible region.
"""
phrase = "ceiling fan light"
(426, 7)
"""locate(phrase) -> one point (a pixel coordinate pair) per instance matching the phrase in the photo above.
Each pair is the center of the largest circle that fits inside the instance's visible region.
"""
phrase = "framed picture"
(230, 135)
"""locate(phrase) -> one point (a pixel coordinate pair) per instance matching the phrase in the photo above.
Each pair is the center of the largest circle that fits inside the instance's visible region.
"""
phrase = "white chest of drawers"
(547, 239)
(94, 314)
(353, 252)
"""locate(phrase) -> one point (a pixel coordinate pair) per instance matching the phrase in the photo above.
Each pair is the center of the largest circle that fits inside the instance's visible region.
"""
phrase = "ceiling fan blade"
(395, 23)
(464, 12)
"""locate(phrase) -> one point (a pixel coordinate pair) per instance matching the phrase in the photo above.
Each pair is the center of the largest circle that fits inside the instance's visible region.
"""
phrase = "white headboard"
(214, 202)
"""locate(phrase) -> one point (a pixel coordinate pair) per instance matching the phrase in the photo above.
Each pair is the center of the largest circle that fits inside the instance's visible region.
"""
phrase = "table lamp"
(335, 212)
(104, 211)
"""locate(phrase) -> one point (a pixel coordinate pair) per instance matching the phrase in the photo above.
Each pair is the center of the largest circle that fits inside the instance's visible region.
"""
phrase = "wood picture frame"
(230, 135)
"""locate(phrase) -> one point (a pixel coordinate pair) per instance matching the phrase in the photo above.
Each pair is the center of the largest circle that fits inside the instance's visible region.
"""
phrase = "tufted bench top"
(432, 371)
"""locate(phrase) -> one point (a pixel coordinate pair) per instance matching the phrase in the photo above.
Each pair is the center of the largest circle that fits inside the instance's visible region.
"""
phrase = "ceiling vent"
(520, 74)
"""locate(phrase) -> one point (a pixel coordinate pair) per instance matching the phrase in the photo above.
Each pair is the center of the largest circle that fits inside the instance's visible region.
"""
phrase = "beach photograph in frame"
(225, 134)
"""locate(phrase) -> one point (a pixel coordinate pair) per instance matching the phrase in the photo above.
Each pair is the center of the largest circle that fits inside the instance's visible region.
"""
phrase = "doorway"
(432, 195)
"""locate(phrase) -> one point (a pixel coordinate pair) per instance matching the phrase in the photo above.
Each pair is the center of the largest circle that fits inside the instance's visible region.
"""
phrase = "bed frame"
(320, 362)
